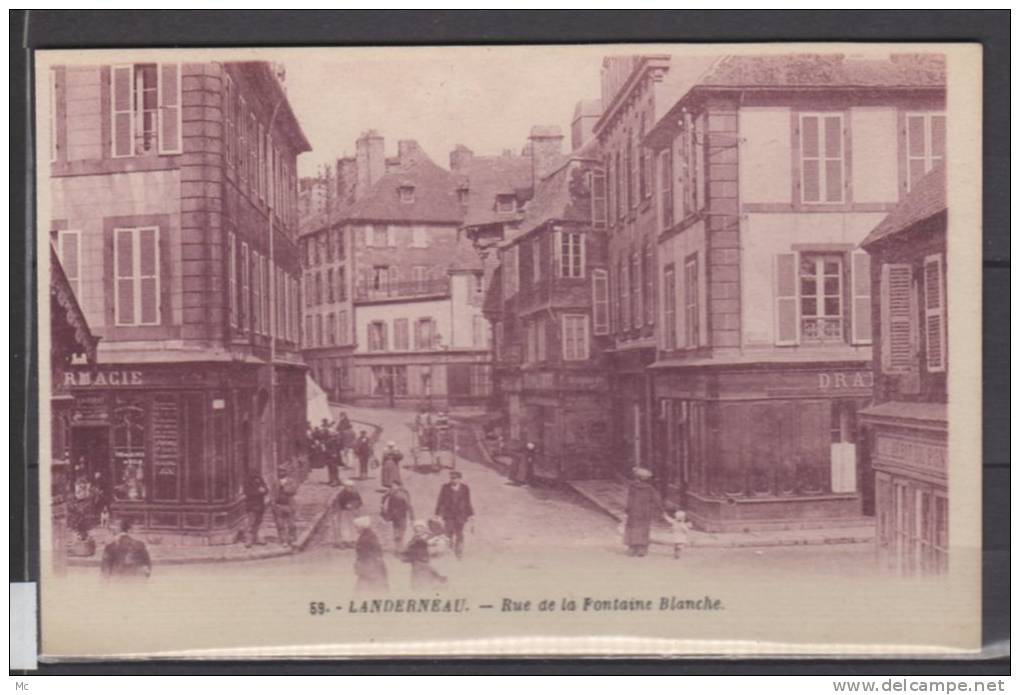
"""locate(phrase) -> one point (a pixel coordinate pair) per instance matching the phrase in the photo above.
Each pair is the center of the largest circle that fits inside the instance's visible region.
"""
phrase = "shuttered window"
(636, 289)
(600, 302)
(136, 275)
(69, 251)
(821, 157)
(122, 111)
(256, 294)
(648, 273)
(169, 108)
(575, 337)
(598, 199)
(665, 190)
(401, 335)
(232, 278)
(245, 306)
(787, 325)
(860, 284)
(669, 307)
(536, 259)
(934, 315)
(899, 352)
(692, 302)
(624, 276)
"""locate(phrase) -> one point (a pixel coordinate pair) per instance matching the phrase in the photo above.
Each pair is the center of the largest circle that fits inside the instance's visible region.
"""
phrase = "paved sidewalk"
(611, 495)
(311, 503)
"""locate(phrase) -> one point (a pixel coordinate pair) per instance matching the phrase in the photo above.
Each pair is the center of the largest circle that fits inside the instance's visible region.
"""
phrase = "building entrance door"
(90, 458)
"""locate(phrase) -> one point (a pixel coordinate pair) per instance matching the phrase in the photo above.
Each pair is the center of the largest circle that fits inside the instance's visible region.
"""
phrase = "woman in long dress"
(369, 566)
(643, 506)
(347, 504)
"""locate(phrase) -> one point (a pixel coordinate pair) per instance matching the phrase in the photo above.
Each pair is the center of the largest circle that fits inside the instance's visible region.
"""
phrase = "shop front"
(630, 424)
(759, 448)
(910, 461)
(169, 445)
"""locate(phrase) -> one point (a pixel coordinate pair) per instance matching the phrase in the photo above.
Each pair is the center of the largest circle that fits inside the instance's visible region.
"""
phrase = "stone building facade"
(174, 214)
(906, 427)
(769, 171)
(393, 310)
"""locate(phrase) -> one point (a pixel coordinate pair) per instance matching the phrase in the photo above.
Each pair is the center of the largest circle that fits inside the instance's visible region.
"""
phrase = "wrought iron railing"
(397, 290)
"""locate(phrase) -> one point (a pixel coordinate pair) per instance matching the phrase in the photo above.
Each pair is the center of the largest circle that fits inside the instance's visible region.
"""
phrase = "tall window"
(692, 311)
(136, 269)
(401, 335)
(232, 277)
(338, 239)
(575, 337)
(610, 190)
(310, 331)
(145, 108)
(318, 288)
(256, 294)
(479, 332)
(510, 276)
(624, 275)
(821, 297)
(934, 315)
(342, 327)
(244, 320)
(643, 190)
(598, 199)
(600, 301)
(536, 259)
(669, 307)
(331, 329)
(424, 334)
(69, 252)
(319, 340)
(926, 144)
(665, 190)
(570, 254)
(330, 286)
(618, 189)
(648, 273)
(341, 284)
(821, 157)
(381, 278)
(636, 305)
(628, 166)
(420, 277)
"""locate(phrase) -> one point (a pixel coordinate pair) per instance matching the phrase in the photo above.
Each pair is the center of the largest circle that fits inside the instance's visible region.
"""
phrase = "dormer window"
(406, 194)
(506, 203)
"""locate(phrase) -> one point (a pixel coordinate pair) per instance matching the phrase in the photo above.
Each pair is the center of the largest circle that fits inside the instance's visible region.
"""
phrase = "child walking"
(681, 529)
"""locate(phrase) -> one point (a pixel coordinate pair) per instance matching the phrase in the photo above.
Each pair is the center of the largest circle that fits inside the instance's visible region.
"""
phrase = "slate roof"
(435, 195)
(486, 177)
(832, 70)
(553, 199)
(926, 198)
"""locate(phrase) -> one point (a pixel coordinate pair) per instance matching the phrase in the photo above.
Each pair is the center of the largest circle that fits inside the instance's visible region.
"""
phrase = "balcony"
(395, 291)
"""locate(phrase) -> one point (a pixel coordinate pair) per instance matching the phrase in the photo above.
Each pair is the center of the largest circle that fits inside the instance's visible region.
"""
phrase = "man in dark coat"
(255, 504)
(396, 509)
(523, 468)
(369, 567)
(454, 508)
(126, 557)
(644, 505)
(283, 507)
(363, 452)
(326, 446)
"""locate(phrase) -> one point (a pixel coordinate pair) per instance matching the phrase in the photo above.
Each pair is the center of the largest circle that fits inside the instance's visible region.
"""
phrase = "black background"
(32, 29)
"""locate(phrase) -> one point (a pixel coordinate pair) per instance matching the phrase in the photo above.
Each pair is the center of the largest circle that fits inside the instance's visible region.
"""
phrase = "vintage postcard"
(519, 350)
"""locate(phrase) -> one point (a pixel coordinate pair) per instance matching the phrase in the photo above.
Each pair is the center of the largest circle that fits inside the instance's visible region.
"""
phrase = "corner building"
(174, 215)
(770, 170)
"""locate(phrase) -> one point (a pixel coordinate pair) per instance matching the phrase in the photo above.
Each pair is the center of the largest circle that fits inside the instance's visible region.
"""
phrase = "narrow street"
(523, 536)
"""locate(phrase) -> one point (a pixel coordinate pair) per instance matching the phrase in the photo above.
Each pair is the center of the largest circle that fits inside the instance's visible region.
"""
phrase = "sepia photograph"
(511, 350)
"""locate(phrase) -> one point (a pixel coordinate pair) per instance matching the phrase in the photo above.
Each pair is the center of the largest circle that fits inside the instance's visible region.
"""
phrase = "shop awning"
(318, 403)
(69, 331)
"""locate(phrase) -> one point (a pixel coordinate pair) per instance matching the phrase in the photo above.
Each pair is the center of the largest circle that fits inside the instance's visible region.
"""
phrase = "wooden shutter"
(934, 315)
(860, 288)
(124, 271)
(122, 99)
(598, 200)
(898, 335)
(786, 311)
(169, 96)
(557, 253)
(600, 302)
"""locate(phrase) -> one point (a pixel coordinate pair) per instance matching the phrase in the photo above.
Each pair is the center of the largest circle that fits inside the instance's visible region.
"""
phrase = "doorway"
(90, 457)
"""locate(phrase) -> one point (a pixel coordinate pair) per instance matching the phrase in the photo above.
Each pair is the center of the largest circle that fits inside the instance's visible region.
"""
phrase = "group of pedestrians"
(334, 445)
(431, 540)
(281, 501)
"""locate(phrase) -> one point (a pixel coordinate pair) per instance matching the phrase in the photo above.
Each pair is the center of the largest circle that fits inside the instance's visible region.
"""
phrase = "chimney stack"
(460, 158)
(408, 152)
(546, 148)
(371, 160)
(586, 114)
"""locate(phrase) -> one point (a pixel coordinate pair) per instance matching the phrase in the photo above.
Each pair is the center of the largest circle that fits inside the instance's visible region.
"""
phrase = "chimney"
(546, 145)
(371, 160)
(346, 179)
(586, 114)
(460, 157)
